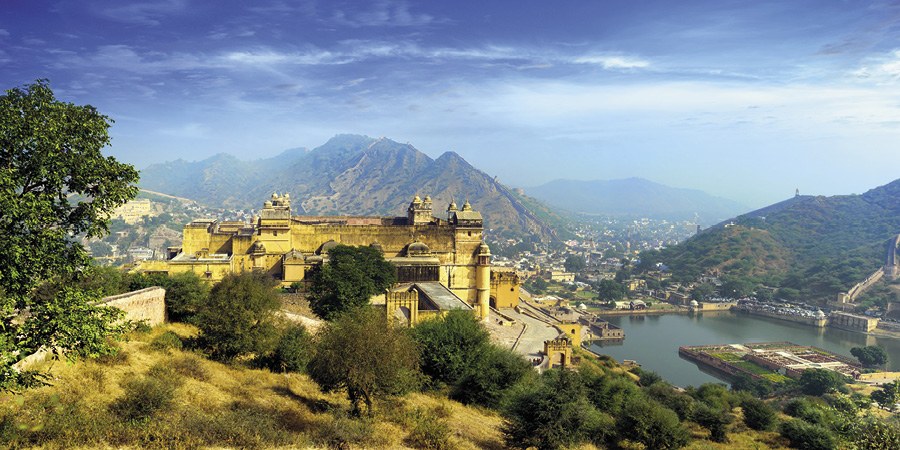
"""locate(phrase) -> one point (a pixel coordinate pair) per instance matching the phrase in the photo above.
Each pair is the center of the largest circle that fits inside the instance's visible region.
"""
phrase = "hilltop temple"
(441, 263)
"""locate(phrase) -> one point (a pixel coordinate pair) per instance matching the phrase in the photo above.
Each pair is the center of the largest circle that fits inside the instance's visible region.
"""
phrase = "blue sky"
(743, 99)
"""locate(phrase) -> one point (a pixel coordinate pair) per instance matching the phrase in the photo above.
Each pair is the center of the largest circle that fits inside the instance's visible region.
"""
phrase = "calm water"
(653, 341)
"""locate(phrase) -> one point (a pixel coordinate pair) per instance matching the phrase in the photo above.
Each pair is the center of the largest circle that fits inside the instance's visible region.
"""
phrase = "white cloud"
(612, 62)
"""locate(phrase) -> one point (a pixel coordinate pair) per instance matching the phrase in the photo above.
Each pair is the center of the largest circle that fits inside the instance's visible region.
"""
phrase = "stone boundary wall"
(863, 285)
(143, 305)
(146, 304)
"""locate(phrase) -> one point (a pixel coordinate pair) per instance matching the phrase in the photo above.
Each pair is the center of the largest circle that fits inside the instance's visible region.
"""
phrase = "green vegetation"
(239, 316)
(821, 381)
(870, 355)
(361, 354)
(575, 263)
(55, 183)
(808, 248)
(349, 279)
(888, 396)
(450, 344)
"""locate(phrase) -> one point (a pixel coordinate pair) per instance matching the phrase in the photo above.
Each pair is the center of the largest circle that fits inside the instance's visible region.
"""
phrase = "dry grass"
(217, 406)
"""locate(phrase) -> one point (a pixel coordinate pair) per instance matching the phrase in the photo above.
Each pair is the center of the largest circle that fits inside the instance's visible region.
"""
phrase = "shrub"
(293, 352)
(429, 432)
(450, 344)
(239, 317)
(553, 412)
(190, 366)
(167, 341)
(679, 402)
(361, 354)
(714, 419)
(820, 381)
(652, 424)
(143, 398)
(807, 436)
(490, 375)
(758, 415)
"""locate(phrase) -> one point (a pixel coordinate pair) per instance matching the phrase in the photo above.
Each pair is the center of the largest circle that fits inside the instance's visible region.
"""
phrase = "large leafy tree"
(360, 353)
(349, 279)
(55, 183)
(870, 355)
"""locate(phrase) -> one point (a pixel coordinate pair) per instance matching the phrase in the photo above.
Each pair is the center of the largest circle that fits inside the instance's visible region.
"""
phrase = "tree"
(610, 291)
(360, 353)
(493, 372)
(737, 287)
(888, 396)
(293, 352)
(703, 290)
(758, 415)
(239, 316)
(450, 344)
(714, 419)
(870, 355)
(653, 425)
(54, 184)
(100, 249)
(349, 279)
(553, 412)
(820, 381)
(575, 263)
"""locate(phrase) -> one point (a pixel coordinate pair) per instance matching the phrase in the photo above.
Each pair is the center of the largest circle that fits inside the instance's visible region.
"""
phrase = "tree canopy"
(238, 318)
(870, 355)
(360, 353)
(575, 263)
(610, 291)
(349, 279)
(55, 183)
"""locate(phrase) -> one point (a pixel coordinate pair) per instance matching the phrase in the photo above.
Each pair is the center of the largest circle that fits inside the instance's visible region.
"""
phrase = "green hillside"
(814, 247)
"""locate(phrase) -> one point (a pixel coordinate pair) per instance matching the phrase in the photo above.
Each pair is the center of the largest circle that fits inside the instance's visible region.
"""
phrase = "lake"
(653, 340)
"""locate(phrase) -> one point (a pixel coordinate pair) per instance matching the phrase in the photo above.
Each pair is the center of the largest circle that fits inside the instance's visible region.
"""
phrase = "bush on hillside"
(359, 353)
(239, 316)
(758, 415)
(651, 424)
(490, 375)
(807, 436)
(450, 345)
(552, 412)
(293, 352)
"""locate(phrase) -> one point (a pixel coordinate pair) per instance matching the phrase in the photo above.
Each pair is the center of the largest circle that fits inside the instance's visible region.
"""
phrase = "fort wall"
(146, 304)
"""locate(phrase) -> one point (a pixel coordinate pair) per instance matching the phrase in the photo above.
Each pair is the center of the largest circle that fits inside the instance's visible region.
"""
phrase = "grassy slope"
(220, 406)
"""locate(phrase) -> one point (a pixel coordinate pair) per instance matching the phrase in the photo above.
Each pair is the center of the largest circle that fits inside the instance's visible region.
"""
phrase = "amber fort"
(442, 262)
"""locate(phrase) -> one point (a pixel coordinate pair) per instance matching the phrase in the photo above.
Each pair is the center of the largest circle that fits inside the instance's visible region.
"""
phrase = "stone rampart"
(143, 305)
(863, 285)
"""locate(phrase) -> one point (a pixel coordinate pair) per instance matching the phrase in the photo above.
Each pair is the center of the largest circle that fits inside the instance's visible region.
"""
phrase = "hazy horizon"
(743, 100)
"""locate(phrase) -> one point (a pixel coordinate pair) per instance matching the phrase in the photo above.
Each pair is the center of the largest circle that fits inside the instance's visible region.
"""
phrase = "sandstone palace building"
(442, 263)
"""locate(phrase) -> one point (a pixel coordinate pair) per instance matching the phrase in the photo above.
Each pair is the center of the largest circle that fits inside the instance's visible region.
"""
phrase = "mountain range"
(636, 197)
(349, 174)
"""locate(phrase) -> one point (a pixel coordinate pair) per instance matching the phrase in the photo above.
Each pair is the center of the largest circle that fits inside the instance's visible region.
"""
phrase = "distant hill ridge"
(349, 174)
(635, 197)
(814, 246)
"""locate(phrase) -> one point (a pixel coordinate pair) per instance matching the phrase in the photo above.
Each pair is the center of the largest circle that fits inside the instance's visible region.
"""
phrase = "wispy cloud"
(144, 13)
(384, 13)
(612, 62)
